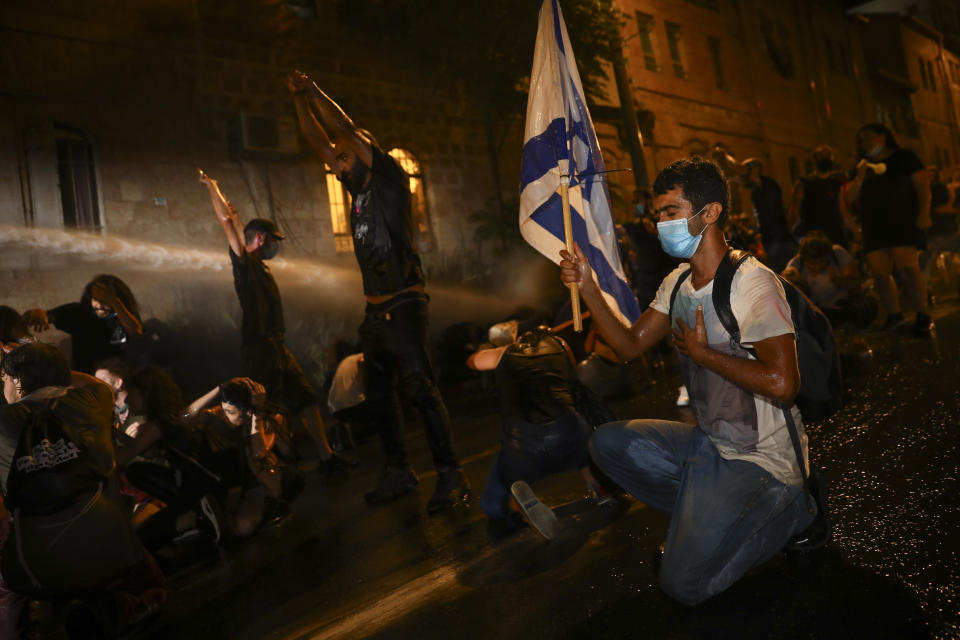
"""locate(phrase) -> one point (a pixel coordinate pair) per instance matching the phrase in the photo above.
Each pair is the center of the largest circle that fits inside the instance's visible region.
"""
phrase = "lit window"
(423, 237)
(339, 201)
(673, 42)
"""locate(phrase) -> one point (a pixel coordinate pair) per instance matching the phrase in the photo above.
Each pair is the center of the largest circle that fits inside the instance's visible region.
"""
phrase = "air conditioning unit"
(269, 135)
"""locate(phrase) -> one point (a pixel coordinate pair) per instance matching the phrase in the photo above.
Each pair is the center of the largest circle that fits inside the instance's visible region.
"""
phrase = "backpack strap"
(676, 290)
(722, 282)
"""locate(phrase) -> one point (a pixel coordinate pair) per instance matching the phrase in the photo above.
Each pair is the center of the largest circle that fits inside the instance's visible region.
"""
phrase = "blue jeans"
(529, 452)
(727, 516)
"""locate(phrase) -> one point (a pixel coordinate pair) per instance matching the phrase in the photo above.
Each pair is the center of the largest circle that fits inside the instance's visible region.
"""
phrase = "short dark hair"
(161, 395)
(889, 139)
(116, 366)
(816, 246)
(701, 181)
(37, 365)
(237, 393)
(12, 326)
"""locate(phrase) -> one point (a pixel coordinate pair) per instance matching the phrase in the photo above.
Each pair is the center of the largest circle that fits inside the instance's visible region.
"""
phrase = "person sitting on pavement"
(243, 420)
(114, 372)
(547, 417)
(188, 475)
(102, 325)
(57, 470)
(831, 278)
(732, 482)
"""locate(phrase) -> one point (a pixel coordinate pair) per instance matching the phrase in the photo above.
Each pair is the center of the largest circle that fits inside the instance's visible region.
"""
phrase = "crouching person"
(70, 537)
(731, 483)
(245, 422)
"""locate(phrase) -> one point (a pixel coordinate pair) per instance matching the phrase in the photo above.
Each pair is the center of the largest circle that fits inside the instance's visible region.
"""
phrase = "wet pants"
(395, 342)
(726, 516)
(529, 452)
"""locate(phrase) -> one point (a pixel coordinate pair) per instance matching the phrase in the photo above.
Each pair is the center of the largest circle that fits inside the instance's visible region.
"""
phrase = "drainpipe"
(628, 114)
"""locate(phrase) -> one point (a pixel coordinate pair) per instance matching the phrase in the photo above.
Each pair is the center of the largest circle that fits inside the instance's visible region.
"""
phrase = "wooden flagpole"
(568, 239)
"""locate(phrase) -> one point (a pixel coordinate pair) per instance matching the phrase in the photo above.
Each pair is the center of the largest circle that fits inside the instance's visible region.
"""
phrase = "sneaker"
(213, 516)
(538, 515)
(451, 488)
(894, 322)
(923, 325)
(336, 466)
(683, 398)
(393, 483)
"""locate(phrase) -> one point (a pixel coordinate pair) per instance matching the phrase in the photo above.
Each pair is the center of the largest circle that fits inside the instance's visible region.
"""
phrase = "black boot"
(452, 487)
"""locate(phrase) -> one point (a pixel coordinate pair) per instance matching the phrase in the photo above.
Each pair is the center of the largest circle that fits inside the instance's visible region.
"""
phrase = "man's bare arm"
(226, 214)
(333, 122)
(627, 342)
(774, 374)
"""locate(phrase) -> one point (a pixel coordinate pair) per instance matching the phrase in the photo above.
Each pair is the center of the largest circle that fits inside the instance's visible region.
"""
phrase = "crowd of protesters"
(100, 444)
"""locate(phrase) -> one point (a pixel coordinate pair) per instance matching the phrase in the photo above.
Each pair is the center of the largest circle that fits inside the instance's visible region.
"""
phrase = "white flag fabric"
(559, 137)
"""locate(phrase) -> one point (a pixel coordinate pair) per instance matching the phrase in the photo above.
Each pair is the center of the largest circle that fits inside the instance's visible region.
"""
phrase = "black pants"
(269, 362)
(181, 494)
(394, 338)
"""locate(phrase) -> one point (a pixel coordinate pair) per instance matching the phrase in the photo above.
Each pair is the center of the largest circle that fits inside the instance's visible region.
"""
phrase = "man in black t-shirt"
(266, 357)
(394, 334)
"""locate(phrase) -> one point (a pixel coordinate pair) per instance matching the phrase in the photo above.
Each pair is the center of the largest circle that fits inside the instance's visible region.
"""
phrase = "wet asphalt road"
(339, 569)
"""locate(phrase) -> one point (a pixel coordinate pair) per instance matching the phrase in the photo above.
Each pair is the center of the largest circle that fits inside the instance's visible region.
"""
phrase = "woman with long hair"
(102, 325)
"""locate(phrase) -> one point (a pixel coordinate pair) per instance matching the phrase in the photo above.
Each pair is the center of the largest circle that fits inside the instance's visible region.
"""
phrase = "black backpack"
(821, 383)
(50, 468)
(820, 380)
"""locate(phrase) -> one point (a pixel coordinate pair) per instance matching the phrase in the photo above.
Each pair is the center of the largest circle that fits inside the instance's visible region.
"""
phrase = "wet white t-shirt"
(742, 425)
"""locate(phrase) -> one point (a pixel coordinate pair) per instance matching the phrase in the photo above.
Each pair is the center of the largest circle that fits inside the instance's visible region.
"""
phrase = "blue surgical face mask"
(676, 239)
(639, 209)
(873, 153)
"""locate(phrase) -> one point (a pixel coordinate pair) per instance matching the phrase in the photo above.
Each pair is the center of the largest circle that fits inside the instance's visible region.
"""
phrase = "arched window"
(422, 235)
(339, 201)
(77, 170)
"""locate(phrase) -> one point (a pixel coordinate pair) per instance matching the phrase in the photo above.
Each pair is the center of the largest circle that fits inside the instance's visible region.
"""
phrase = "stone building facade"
(106, 108)
(775, 79)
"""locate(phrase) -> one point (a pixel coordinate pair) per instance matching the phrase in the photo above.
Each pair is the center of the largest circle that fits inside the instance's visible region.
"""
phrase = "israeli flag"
(559, 140)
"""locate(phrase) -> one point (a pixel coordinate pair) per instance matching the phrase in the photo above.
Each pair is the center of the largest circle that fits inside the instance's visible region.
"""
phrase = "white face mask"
(876, 151)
